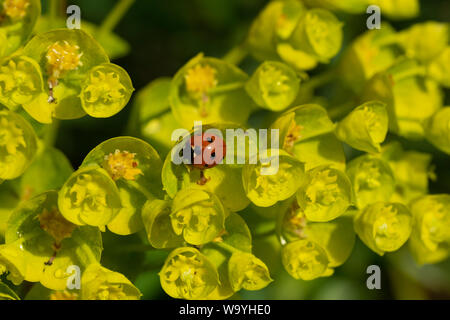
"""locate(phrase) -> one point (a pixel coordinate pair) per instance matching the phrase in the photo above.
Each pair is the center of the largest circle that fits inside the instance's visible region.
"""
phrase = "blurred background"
(163, 35)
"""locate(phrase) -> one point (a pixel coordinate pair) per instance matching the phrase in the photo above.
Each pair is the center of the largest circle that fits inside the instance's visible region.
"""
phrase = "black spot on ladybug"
(213, 154)
(209, 139)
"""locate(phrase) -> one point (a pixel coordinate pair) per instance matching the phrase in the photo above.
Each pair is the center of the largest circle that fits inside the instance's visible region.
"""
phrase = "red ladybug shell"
(212, 152)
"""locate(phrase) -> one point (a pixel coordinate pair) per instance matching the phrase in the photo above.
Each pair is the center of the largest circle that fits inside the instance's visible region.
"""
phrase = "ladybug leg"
(203, 180)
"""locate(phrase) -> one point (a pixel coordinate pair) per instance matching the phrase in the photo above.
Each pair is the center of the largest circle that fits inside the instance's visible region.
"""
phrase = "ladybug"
(211, 152)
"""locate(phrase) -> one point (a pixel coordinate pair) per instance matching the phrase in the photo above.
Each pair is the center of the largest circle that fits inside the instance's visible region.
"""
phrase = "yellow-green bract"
(437, 129)
(384, 226)
(325, 194)
(99, 283)
(273, 85)
(34, 235)
(135, 169)
(372, 179)
(18, 145)
(188, 274)
(209, 90)
(246, 271)
(365, 128)
(430, 239)
(17, 24)
(198, 215)
(280, 181)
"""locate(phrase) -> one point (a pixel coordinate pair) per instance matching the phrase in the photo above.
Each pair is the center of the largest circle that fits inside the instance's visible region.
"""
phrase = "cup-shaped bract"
(304, 259)
(410, 97)
(99, 283)
(89, 197)
(325, 194)
(18, 145)
(245, 271)
(384, 226)
(237, 237)
(425, 41)
(306, 131)
(106, 90)
(158, 225)
(437, 129)
(439, 68)
(365, 128)
(403, 163)
(41, 244)
(209, 90)
(275, 23)
(135, 168)
(274, 85)
(319, 34)
(276, 177)
(372, 180)
(18, 19)
(188, 274)
(198, 215)
(20, 81)
(65, 58)
(430, 239)
(370, 53)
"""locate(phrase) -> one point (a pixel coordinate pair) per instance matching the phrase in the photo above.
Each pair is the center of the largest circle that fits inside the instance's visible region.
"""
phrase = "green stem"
(54, 6)
(52, 133)
(226, 247)
(115, 15)
(320, 80)
(135, 248)
(141, 189)
(236, 55)
(342, 110)
(227, 87)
